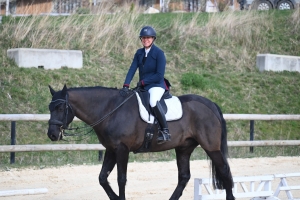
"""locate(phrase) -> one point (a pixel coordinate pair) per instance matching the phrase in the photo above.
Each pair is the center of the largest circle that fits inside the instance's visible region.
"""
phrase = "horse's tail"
(224, 147)
(216, 175)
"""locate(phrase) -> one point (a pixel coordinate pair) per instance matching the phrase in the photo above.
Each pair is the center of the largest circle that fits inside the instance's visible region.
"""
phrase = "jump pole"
(23, 192)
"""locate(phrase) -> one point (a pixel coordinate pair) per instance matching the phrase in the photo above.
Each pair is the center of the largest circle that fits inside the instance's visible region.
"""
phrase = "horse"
(120, 129)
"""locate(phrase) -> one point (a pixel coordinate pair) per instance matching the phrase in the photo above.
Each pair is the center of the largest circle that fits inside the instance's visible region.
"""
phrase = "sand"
(149, 180)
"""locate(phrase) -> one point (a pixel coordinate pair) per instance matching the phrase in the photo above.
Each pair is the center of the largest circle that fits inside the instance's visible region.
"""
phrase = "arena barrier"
(45, 117)
(263, 189)
(244, 187)
(51, 147)
(283, 185)
(100, 147)
(23, 192)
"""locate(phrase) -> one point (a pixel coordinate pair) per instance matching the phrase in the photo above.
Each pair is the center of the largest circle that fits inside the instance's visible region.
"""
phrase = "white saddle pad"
(174, 110)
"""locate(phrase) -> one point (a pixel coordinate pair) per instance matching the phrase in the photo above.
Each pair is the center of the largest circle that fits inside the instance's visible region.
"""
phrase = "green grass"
(213, 55)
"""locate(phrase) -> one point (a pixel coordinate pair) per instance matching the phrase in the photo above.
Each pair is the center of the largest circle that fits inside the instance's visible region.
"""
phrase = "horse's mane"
(91, 88)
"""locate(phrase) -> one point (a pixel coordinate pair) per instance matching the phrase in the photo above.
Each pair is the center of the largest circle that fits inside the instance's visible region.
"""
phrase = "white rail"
(260, 117)
(258, 143)
(263, 188)
(283, 185)
(23, 192)
(89, 147)
(51, 147)
(46, 117)
(82, 147)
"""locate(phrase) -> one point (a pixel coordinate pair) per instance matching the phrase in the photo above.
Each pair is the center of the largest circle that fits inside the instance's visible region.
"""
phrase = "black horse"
(119, 127)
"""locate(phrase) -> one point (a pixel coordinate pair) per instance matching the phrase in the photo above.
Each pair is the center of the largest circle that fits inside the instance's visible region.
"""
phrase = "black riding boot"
(161, 118)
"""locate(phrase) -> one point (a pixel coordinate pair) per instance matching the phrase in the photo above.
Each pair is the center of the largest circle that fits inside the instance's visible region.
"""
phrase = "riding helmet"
(148, 31)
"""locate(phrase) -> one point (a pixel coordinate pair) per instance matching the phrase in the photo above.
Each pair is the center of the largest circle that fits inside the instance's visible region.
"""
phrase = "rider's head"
(147, 36)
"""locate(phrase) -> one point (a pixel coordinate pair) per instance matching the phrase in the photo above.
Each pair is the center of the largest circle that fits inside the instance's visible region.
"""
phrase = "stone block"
(273, 62)
(46, 58)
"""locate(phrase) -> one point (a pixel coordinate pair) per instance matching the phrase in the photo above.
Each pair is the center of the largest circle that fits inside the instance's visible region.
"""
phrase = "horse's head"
(61, 114)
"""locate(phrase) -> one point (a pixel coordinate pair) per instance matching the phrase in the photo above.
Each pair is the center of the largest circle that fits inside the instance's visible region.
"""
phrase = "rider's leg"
(161, 118)
(155, 95)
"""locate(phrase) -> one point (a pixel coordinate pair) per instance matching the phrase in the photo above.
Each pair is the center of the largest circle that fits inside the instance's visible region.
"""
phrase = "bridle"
(63, 124)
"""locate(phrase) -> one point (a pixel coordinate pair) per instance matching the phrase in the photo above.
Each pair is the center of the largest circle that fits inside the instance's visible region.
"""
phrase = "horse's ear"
(64, 90)
(51, 90)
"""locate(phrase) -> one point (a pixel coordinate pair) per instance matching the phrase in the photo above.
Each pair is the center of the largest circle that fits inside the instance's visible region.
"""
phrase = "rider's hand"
(124, 91)
(139, 84)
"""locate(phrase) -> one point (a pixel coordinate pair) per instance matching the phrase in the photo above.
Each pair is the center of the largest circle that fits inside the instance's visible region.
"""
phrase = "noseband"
(63, 124)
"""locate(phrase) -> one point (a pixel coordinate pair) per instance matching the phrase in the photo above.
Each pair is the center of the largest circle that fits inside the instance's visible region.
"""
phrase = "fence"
(10, 7)
(90, 147)
(45, 117)
(5, 193)
(263, 189)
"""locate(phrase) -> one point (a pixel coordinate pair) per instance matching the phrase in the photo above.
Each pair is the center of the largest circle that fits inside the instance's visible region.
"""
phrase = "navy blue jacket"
(152, 72)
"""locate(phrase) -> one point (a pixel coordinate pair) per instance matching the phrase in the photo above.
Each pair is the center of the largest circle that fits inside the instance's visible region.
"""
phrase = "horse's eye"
(60, 109)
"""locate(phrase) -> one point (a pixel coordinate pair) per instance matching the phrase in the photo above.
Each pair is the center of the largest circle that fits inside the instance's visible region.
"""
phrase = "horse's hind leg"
(109, 163)
(221, 172)
(183, 155)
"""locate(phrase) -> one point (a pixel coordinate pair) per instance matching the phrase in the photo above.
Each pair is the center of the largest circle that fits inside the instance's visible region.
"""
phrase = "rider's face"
(147, 41)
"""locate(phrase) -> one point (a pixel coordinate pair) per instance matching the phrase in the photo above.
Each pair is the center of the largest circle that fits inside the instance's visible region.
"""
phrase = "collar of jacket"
(152, 51)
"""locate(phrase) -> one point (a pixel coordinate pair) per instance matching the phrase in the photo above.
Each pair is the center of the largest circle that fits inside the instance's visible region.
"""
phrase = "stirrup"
(163, 137)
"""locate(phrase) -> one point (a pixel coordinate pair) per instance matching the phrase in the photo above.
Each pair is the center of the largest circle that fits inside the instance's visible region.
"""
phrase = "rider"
(151, 62)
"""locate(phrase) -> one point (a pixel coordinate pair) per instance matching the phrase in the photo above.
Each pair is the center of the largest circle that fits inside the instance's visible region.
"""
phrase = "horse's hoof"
(230, 198)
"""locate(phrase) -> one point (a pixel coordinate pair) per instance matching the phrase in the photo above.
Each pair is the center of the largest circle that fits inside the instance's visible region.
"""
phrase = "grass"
(213, 55)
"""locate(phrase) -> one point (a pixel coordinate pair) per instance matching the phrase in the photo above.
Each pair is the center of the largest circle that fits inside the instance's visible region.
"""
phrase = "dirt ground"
(151, 180)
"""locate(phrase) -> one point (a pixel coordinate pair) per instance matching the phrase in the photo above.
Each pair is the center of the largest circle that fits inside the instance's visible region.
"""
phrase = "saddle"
(172, 109)
(171, 106)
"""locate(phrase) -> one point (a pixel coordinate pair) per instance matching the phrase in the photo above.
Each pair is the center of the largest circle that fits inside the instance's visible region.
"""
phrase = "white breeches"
(155, 95)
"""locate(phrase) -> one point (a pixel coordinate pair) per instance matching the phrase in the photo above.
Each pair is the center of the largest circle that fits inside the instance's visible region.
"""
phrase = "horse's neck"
(90, 106)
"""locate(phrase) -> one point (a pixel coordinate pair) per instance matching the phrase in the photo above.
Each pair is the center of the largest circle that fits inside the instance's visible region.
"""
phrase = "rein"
(111, 112)
(63, 125)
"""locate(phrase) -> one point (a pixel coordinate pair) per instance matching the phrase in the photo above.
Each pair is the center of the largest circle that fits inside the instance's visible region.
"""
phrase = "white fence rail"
(5, 193)
(82, 147)
(283, 185)
(46, 117)
(89, 147)
(263, 188)
(51, 147)
(241, 189)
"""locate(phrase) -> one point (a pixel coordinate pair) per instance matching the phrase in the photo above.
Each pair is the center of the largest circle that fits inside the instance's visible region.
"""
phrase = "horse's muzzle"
(54, 134)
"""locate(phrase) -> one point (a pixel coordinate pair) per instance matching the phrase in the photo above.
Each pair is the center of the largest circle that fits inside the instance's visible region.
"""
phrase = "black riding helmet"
(148, 31)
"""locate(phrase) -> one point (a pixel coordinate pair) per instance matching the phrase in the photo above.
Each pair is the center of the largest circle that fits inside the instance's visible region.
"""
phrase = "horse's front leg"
(122, 154)
(109, 163)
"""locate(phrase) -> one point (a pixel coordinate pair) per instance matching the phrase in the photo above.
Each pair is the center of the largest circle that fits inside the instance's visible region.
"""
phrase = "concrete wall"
(273, 62)
(46, 58)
